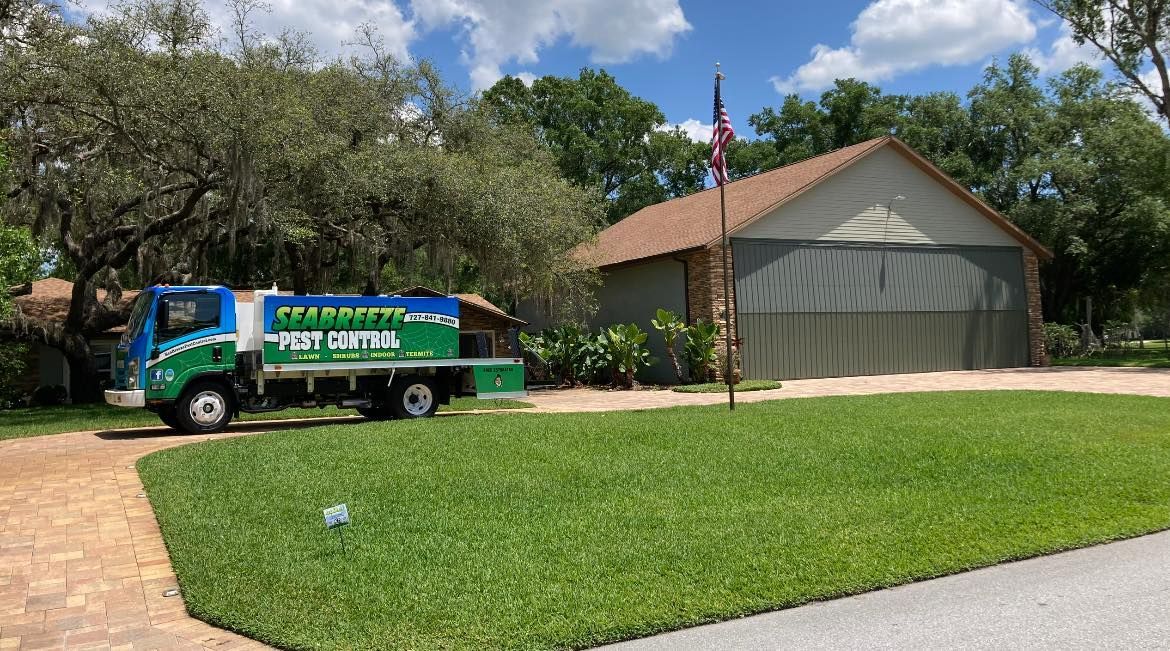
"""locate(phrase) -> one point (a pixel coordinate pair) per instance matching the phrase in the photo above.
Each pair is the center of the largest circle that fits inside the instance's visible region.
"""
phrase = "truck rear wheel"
(204, 409)
(413, 397)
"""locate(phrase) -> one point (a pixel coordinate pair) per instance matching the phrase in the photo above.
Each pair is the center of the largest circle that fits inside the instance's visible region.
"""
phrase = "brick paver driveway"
(82, 563)
(1149, 382)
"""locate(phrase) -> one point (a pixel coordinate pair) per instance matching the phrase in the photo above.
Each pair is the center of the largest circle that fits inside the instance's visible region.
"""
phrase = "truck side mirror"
(154, 352)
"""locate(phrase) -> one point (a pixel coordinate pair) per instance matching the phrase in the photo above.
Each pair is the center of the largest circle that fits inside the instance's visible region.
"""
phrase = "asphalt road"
(1114, 596)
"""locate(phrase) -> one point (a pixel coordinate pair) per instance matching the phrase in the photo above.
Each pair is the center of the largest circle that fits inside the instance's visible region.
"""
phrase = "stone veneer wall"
(472, 319)
(705, 291)
(1037, 355)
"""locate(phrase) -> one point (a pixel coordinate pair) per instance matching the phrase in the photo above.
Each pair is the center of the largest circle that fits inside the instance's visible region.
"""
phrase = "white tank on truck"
(197, 357)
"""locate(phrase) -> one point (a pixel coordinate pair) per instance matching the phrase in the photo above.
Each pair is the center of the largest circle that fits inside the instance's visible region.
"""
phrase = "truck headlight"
(132, 374)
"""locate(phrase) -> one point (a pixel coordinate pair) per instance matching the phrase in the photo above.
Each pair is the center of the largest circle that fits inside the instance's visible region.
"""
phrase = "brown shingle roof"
(50, 297)
(474, 300)
(693, 221)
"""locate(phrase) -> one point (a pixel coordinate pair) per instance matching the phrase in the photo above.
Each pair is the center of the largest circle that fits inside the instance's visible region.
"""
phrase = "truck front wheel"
(169, 417)
(204, 409)
(414, 397)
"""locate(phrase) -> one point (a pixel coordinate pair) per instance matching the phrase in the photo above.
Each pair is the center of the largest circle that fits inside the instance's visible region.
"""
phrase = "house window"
(469, 341)
(103, 354)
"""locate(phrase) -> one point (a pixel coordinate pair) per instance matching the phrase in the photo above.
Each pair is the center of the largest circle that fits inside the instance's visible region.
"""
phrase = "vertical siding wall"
(633, 294)
(851, 207)
(813, 310)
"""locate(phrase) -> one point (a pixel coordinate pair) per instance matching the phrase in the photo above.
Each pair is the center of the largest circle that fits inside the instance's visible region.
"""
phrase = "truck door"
(194, 335)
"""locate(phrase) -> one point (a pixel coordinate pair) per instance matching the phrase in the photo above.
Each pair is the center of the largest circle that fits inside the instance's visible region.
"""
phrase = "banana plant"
(700, 352)
(671, 326)
(624, 348)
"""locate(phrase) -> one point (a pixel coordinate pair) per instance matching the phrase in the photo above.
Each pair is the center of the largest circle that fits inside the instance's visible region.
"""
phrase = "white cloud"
(1064, 53)
(525, 77)
(895, 36)
(696, 130)
(496, 32)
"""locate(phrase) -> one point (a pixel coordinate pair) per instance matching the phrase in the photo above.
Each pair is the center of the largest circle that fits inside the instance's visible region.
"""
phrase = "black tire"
(414, 396)
(375, 413)
(205, 408)
(169, 418)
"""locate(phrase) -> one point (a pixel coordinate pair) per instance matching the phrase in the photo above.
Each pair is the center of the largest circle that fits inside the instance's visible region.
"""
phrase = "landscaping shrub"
(13, 365)
(565, 349)
(1117, 333)
(699, 350)
(623, 346)
(671, 326)
(1062, 340)
(49, 395)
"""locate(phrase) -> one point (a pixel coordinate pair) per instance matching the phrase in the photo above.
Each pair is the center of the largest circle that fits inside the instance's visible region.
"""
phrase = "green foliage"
(20, 258)
(623, 348)
(603, 138)
(1061, 340)
(671, 325)
(567, 350)
(700, 352)
(1131, 34)
(13, 365)
(567, 531)
(1155, 355)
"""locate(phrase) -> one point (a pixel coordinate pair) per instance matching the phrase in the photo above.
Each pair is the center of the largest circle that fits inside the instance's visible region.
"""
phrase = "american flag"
(721, 136)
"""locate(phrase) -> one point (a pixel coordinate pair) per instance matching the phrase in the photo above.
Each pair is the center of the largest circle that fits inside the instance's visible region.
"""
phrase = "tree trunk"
(84, 383)
(674, 362)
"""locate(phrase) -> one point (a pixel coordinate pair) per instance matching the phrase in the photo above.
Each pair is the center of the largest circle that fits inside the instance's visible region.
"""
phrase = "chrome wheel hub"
(417, 399)
(207, 408)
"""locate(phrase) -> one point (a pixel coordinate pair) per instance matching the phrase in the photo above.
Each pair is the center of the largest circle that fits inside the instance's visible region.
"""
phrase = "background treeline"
(143, 145)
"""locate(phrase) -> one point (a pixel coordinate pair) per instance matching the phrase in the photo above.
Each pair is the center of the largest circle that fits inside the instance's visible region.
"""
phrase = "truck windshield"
(181, 314)
(138, 315)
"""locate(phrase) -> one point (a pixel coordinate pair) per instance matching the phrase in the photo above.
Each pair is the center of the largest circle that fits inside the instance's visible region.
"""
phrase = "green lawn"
(37, 421)
(1153, 356)
(719, 387)
(569, 530)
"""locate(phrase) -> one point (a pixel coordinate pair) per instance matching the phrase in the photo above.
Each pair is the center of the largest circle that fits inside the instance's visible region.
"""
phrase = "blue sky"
(664, 50)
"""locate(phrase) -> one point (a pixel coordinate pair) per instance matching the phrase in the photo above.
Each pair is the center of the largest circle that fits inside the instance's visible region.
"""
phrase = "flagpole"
(729, 375)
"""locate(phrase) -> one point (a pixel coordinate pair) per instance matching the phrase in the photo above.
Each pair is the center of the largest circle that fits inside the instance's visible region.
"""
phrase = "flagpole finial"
(718, 72)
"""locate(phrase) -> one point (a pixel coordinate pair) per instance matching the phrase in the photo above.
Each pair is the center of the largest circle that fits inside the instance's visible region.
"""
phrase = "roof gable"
(860, 205)
(693, 221)
(471, 300)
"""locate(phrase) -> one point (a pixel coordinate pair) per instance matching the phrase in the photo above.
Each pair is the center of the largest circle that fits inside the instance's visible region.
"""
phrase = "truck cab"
(197, 356)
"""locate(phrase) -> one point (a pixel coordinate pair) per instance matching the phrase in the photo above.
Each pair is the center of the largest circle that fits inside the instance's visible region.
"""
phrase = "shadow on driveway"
(254, 426)
(241, 427)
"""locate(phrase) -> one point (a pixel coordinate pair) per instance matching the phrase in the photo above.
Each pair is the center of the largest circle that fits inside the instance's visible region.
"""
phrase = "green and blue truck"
(197, 356)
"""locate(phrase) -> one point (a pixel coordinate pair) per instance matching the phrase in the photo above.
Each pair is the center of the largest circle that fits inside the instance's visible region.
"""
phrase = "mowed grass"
(719, 387)
(568, 530)
(1155, 355)
(38, 421)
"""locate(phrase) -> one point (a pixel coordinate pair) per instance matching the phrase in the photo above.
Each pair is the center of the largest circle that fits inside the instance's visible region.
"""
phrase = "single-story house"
(484, 328)
(862, 261)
